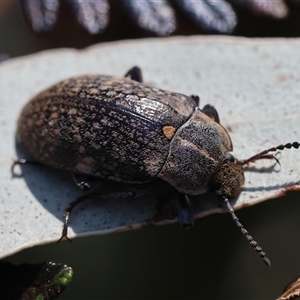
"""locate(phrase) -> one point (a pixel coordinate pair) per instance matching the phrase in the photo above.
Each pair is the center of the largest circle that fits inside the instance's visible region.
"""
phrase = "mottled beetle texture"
(122, 130)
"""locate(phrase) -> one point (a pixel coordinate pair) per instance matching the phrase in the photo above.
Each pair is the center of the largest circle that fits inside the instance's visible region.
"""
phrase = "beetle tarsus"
(246, 234)
(135, 74)
(80, 181)
(271, 156)
(67, 213)
(64, 233)
(185, 211)
(22, 161)
(86, 182)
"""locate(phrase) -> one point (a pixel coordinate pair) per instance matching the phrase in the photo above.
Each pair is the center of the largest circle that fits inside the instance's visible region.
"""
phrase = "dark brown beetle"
(122, 130)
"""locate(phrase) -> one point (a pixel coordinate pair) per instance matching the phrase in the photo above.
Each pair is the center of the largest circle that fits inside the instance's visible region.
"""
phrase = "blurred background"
(252, 21)
(212, 261)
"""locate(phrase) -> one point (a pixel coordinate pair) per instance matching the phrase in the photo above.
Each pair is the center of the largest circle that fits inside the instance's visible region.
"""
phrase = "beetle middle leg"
(86, 182)
(135, 74)
(130, 192)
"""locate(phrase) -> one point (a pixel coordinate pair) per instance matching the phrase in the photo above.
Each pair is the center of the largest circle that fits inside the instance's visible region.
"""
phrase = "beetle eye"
(214, 185)
(230, 157)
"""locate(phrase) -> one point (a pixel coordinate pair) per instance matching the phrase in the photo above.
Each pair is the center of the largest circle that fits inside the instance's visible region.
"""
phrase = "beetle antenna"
(264, 154)
(246, 234)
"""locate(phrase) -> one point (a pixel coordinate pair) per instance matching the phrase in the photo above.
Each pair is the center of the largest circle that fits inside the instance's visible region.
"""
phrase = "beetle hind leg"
(67, 213)
(22, 161)
(131, 191)
(135, 74)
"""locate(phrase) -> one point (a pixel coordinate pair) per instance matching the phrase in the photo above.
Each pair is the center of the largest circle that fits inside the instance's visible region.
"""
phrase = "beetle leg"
(22, 161)
(86, 182)
(132, 191)
(67, 213)
(185, 211)
(210, 111)
(135, 74)
(196, 99)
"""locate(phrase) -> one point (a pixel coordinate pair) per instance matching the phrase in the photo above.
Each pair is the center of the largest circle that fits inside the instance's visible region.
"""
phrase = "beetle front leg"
(196, 99)
(185, 211)
(135, 74)
(210, 111)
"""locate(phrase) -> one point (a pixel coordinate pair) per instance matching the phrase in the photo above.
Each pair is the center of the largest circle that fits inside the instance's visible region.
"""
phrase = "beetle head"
(229, 178)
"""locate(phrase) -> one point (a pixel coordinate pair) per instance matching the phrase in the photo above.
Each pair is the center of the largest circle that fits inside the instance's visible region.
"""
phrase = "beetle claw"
(64, 233)
(21, 161)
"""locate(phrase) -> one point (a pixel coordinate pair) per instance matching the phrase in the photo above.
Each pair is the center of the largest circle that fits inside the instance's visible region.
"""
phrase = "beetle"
(119, 129)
